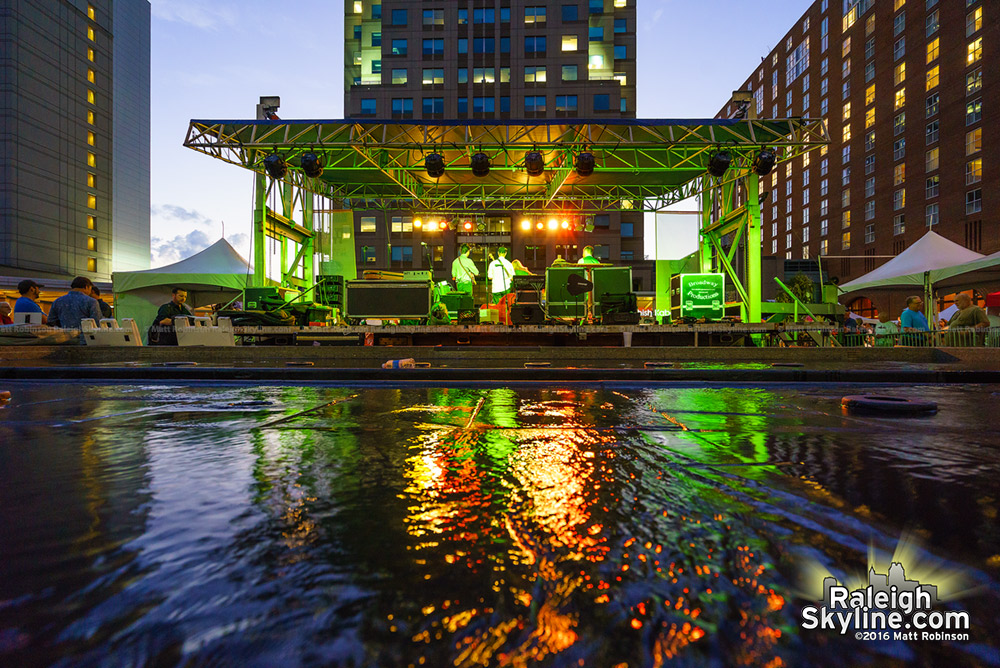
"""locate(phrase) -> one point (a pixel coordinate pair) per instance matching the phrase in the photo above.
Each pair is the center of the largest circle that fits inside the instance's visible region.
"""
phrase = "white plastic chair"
(25, 318)
(108, 333)
(197, 331)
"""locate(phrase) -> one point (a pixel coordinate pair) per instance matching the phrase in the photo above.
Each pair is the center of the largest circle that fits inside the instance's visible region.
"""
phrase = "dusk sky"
(214, 60)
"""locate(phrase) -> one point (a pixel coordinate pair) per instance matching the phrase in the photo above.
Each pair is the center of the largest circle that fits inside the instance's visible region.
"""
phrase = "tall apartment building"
(491, 60)
(74, 138)
(909, 90)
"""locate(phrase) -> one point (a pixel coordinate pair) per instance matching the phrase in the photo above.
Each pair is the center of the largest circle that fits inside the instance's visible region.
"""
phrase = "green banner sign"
(703, 296)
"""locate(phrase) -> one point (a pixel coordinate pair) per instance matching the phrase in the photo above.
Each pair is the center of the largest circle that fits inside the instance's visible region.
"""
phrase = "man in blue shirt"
(75, 305)
(913, 320)
(26, 302)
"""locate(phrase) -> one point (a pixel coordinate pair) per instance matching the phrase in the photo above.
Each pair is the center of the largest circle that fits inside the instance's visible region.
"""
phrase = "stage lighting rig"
(311, 165)
(434, 164)
(275, 166)
(719, 163)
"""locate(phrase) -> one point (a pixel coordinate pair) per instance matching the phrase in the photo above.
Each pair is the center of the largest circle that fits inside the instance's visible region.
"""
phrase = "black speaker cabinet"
(526, 314)
(388, 299)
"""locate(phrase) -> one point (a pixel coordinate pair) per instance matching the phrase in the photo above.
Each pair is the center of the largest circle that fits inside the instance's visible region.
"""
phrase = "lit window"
(932, 160)
(91, 159)
(90, 117)
(870, 117)
(975, 51)
(973, 141)
(847, 132)
(974, 81)
(91, 14)
(845, 241)
(870, 94)
(90, 54)
(91, 222)
(933, 49)
(92, 264)
(847, 111)
(973, 21)
(898, 4)
(900, 98)
(91, 243)
(367, 224)
(90, 75)
(91, 180)
(974, 112)
(569, 43)
(90, 34)
(933, 77)
(569, 72)
(974, 171)
(90, 138)
(91, 202)
(90, 96)
(899, 174)
(899, 74)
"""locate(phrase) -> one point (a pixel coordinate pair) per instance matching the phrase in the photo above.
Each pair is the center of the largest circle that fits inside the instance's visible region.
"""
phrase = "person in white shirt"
(464, 271)
(500, 272)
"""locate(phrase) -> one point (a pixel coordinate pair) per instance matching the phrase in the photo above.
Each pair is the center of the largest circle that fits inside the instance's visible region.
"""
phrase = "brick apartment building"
(909, 90)
(493, 60)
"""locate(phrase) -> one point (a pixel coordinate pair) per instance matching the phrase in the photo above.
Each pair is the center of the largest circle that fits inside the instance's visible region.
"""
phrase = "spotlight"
(534, 163)
(480, 164)
(442, 225)
(719, 163)
(467, 226)
(565, 225)
(540, 225)
(276, 166)
(311, 165)
(417, 223)
(434, 164)
(764, 162)
(525, 224)
(585, 164)
(553, 224)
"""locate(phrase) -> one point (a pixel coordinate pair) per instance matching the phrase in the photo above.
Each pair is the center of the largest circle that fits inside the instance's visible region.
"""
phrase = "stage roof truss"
(640, 165)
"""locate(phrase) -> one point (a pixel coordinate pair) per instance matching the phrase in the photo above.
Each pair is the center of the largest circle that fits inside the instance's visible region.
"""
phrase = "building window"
(870, 187)
(566, 103)
(368, 106)
(869, 164)
(973, 202)
(595, 34)
(483, 105)
(973, 141)
(569, 72)
(402, 107)
(602, 102)
(367, 255)
(398, 16)
(933, 132)
(899, 149)
(91, 139)
(933, 186)
(898, 224)
(399, 47)
(433, 105)
(534, 103)
(596, 6)
(931, 160)
(869, 234)
(91, 202)
(975, 53)
(932, 216)
(900, 98)
(568, 42)
(845, 241)
(399, 76)
(367, 225)
(869, 210)
(973, 21)
(933, 104)
(92, 264)
(899, 199)
(933, 77)
(91, 159)
(91, 223)
(899, 174)
(534, 74)
(433, 47)
(932, 23)
(899, 124)
(974, 81)
(898, 51)
(899, 74)
(974, 111)
(570, 13)
(483, 75)
(92, 243)
(899, 24)
(402, 256)
(90, 34)
(973, 171)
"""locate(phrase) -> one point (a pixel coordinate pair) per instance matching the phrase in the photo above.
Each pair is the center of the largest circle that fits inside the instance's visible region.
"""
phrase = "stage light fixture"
(534, 163)
(442, 225)
(525, 224)
(417, 223)
(311, 165)
(553, 224)
(585, 164)
(565, 224)
(540, 225)
(467, 226)
(434, 164)
(480, 164)
(764, 162)
(275, 166)
(719, 162)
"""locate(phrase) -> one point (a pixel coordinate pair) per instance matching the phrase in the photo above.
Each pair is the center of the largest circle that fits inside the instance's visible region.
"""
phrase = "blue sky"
(213, 60)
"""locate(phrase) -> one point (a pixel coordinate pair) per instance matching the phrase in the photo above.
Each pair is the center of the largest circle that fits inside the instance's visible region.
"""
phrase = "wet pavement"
(612, 525)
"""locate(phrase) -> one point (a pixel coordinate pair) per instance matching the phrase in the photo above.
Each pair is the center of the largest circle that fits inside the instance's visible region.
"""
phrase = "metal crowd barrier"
(955, 337)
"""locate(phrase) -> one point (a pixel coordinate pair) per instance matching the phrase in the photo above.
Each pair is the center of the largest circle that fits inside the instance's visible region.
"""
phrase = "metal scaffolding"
(639, 165)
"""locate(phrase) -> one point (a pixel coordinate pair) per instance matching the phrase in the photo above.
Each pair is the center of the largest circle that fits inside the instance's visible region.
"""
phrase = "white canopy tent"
(931, 260)
(216, 274)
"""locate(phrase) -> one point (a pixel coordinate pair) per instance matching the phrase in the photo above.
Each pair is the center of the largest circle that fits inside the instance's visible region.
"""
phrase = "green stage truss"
(640, 165)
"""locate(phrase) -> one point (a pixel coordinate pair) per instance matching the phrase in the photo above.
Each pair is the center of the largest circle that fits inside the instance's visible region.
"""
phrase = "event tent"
(216, 274)
(931, 259)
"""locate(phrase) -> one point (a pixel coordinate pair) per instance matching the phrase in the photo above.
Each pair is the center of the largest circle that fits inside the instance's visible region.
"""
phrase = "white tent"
(931, 259)
(216, 274)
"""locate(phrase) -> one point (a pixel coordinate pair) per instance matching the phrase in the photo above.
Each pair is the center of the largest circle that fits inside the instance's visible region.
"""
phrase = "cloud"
(197, 15)
(168, 251)
(180, 213)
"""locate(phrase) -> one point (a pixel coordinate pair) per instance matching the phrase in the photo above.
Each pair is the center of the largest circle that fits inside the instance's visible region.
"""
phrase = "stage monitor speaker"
(468, 317)
(527, 314)
(388, 299)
